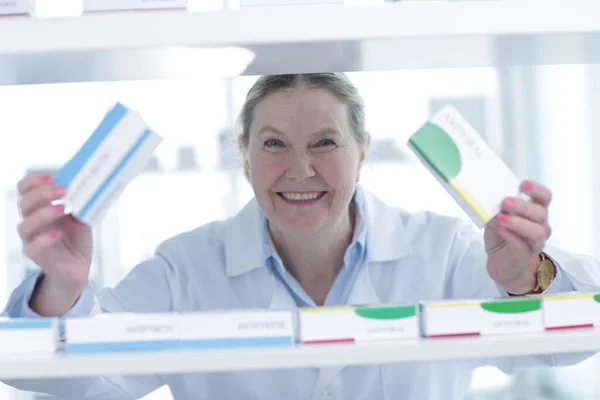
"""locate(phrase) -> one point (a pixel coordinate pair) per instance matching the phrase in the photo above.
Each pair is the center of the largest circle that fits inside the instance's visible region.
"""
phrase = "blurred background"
(540, 119)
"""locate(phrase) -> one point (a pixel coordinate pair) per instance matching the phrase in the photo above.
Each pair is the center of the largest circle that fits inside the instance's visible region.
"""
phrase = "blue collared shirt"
(354, 258)
(407, 258)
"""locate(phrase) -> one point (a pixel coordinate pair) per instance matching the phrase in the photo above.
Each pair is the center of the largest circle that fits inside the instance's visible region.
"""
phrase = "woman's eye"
(326, 143)
(273, 143)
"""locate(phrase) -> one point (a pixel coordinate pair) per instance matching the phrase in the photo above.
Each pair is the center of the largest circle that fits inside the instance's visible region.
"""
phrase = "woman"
(310, 237)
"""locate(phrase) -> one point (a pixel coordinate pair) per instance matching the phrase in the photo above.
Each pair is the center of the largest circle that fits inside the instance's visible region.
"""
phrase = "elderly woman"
(310, 237)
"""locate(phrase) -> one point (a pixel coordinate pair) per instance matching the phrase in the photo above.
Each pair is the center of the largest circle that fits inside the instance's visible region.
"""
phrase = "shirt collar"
(380, 230)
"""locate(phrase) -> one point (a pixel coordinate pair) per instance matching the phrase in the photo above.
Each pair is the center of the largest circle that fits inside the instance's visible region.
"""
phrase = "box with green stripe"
(358, 323)
(474, 175)
(482, 317)
(571, 311)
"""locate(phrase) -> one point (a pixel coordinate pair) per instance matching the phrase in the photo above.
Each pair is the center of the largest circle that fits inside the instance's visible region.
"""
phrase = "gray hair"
(337, 83)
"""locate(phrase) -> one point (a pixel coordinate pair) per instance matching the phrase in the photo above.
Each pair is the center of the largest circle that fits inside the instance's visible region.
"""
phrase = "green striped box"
(482, 317)
(463, 163)
(349, 324)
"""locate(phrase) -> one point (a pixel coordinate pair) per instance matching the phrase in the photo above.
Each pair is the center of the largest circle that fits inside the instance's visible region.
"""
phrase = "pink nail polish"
(54, 234)
(59, 191)
(527, 186)
(59, 209)
(47, 179)
(510, 202)
(503, 218)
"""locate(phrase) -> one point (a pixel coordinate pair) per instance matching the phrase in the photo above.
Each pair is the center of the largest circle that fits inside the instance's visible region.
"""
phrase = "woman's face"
(303, 159)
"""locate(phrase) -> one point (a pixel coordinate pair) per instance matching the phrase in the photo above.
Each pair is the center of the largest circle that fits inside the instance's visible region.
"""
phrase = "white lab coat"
(410, 257)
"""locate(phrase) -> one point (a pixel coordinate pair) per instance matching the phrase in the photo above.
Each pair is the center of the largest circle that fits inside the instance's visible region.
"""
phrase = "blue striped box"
(14, 7)
(133, 5)
(31, 336)
(236, 328)
(283, 3)
(118, 150)
(55, 9)
(116, 332)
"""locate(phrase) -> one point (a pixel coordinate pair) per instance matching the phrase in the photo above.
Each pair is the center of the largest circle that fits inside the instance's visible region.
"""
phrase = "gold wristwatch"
(545, 274)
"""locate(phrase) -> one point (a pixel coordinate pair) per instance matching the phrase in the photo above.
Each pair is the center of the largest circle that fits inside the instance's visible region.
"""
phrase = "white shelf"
(321, 23)
(419, 34)
(54, 366)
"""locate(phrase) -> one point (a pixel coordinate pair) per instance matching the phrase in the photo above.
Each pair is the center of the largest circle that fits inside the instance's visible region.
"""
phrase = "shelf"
(54, 366)
(304, 39)
(321, 23)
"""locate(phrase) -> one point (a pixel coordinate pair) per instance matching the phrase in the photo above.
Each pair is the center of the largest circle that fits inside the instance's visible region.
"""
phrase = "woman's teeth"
(301, 196)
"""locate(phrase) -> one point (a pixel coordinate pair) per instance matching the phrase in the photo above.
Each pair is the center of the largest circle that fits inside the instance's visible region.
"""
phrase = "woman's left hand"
(516, 237)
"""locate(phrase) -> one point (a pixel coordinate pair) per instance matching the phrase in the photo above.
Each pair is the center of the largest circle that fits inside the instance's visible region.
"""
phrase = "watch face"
(545, 274)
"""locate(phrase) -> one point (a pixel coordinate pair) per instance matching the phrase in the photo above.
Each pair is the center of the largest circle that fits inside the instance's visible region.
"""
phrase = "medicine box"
(117, 151)
(260, 3)
(113, 332)
(357, 323)
(133, 5)
(571, 310)
(55, 9)
(247, 328)
(482, 317)
(472, 173)
(31, 336)
(14, 7)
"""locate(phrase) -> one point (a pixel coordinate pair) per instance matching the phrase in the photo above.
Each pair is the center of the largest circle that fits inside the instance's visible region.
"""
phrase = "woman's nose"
(300, 166)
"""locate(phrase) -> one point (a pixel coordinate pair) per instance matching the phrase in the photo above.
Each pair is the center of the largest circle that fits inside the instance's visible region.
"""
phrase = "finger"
(41, 243)
(32, 181)
(539, 193)
(518, 244)
(534, 233)
(40, 221)
(532, 211)
(38, 197)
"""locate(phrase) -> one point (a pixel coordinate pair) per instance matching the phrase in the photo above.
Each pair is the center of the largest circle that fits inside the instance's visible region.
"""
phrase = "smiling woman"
(304, 142)
(310, 236)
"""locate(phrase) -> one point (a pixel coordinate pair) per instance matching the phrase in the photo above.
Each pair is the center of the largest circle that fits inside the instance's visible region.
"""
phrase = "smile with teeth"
(304, 196)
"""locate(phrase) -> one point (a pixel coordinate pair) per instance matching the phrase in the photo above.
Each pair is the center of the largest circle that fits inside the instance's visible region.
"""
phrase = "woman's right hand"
(58, 243)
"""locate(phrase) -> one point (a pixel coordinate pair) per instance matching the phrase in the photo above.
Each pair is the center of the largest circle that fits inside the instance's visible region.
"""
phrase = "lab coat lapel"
(362, 293)
(281, 298)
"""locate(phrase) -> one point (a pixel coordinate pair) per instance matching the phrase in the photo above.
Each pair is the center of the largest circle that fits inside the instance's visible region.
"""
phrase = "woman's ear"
(241, 145)
(247, 170)
(365, 149)
(363, 155)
